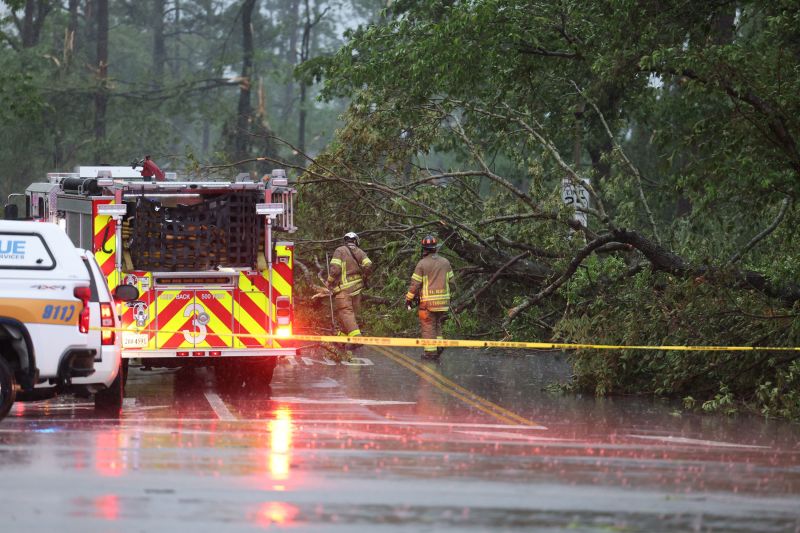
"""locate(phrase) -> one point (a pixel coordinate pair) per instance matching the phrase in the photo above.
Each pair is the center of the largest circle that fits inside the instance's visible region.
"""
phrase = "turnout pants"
(346, 307)
(430, 322)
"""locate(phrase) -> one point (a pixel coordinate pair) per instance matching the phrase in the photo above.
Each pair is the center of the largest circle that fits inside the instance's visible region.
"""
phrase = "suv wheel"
(8, 389)
(109, 401)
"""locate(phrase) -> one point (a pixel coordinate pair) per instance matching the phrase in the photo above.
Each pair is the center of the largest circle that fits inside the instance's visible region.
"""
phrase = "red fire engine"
(214, 283)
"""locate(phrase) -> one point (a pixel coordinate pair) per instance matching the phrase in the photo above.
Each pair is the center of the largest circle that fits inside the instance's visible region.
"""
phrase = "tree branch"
(367, 185)
(627, 161)
(776, 122)
(764, 233)
(491, 281)
(525, 198)
(536, 252)
(572, 267)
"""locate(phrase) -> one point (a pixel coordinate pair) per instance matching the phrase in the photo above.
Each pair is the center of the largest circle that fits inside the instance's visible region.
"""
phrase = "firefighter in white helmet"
(430, 285)
(349, 270)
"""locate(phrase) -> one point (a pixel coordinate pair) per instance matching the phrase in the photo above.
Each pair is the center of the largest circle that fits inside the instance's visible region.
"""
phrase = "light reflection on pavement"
(470, 443)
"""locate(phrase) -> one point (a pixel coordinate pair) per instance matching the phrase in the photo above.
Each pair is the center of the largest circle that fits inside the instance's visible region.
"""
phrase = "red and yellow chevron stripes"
(105, 243)
(139, 318)
(251, 312)
(190, 318)
(283, 269)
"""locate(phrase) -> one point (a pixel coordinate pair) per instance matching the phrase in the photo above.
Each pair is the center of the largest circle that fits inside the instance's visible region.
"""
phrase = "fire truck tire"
(228, 378)
(109, 401)
(8, 388)
(251, 374)
(266, 369)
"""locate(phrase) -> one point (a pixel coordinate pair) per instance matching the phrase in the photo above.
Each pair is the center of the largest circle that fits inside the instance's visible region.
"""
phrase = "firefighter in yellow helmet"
(349, 269)
(430, 283)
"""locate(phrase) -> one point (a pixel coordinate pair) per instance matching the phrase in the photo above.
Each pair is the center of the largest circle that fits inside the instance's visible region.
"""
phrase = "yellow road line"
(451, 392)
(455, 390)
(459, 388)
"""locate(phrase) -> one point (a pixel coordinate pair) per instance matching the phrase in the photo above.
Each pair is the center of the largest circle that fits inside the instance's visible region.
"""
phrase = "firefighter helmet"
(429, 243)
(351, 237)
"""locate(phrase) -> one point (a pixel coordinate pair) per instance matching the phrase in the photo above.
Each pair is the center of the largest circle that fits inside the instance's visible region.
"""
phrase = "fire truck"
(215, 283)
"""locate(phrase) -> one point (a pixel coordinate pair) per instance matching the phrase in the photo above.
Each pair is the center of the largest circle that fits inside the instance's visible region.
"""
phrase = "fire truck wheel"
(265, 369)
(228, 377)
(250, 375)
(109, 401)
(8, 390)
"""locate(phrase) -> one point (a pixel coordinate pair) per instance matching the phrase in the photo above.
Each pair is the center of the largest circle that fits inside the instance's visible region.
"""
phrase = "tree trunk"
(301, 121)
(101, 94)
(598, 144)
(206, 137)
(71, 41)
(291, 58)
(176, 62)
(159, 46)
(36, 12)
(244, 110)
(27, 24)
(305, 54)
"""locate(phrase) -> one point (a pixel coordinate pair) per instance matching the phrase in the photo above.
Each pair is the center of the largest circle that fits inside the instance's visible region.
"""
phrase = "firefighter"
(349, 270)
(430, 284)
(150, 170)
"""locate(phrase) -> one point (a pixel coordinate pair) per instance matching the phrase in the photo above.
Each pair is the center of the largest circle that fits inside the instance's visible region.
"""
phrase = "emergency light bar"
(112, 210)
(270, 210)
(193, 281)
(278, 178)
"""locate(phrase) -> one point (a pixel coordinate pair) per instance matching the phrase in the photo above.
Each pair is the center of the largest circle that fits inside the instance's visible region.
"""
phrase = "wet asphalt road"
(390, 443)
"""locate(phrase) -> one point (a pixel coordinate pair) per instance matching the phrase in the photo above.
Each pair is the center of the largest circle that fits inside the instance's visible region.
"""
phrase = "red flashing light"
(198, 354)
(182, 354)
(215, 353)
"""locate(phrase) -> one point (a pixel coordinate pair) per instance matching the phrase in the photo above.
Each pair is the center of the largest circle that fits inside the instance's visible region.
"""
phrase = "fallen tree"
(461, 120)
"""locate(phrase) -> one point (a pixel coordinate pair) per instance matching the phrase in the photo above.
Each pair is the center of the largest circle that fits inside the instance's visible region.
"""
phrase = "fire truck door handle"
(105, 237)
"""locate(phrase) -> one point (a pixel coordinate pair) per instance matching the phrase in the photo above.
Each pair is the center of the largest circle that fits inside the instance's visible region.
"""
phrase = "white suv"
(108, 381)
(45, 314)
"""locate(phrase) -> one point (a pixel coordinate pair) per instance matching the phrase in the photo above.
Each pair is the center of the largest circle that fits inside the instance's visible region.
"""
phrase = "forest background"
(469, 120)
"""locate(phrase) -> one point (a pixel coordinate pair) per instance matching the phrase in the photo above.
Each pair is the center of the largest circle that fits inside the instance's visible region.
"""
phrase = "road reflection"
(280, 430)
(413, 445)
(107, 507)
(110, 452)
(275, 514)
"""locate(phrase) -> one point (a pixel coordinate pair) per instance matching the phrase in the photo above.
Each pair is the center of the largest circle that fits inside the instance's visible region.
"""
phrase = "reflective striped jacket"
(347, 265)
(431, 280)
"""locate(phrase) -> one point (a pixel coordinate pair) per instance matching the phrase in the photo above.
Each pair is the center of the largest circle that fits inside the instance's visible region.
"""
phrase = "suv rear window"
(25, 251)
(95, 297)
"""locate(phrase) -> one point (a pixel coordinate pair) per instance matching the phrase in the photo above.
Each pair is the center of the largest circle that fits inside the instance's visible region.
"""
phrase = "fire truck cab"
(215, 283)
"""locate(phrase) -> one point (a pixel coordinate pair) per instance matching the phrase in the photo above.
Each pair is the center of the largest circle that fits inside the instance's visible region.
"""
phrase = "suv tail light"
(107, 321)
(83, 294)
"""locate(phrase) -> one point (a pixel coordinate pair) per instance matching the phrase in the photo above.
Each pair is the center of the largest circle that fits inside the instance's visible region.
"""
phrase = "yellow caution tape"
(463, 343)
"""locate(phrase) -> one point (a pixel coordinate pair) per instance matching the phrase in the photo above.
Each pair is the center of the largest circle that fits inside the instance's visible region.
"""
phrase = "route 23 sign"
(577, 196)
